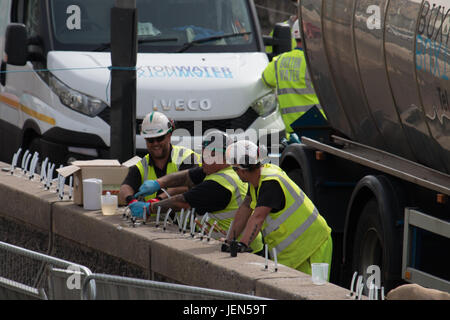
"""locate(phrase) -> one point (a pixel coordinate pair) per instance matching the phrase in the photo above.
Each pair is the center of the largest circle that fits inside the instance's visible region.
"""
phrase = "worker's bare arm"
(240, 219)
(254, 224)
(175, 203)
(177, 179)
(125, 191)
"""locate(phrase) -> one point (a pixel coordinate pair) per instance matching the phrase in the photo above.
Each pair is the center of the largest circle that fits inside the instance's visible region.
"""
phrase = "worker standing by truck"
(274, 204)
(288, 73)
(214, 188)
(162, 158)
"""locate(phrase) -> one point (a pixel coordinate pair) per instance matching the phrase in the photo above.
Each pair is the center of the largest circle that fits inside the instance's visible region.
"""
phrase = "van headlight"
(265, 105)
(76, 100)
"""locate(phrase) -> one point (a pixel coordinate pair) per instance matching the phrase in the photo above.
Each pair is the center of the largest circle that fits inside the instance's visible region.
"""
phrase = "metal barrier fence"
(110, 287)
(71, 281)
(22, 272)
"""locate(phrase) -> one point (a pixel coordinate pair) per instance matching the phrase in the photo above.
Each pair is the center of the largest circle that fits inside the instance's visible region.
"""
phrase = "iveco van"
(55, 95)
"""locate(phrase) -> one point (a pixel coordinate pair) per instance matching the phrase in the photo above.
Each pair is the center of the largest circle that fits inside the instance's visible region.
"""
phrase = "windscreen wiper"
(107, 45)
(187, 45)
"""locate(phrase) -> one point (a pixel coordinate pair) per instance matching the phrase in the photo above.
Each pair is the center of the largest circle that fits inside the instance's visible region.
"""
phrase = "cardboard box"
(111, 172)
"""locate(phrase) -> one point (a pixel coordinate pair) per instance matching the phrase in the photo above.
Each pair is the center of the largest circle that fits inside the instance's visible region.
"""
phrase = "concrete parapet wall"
(144, 252)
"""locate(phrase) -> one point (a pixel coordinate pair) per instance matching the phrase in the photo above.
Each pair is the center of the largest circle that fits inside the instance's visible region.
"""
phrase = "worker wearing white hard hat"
(288, 220)
(162, 158)
(214, 188)
(288, 75)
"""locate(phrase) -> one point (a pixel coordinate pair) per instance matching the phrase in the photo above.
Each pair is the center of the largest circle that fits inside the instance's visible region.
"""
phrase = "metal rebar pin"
(202, 233)
(27, 161)
(266, 254)
(62, 182)
(25, 155)
(43, 171)
(167, 217)
(51, 167)
(70, 187)
(58, 185)
(382, 293)
(275, 258)
(33, 165)
(47, 176)
(14, 161)
(371, 293)
(180, 220)
(211, 230)
(352, 292)
(192, 221)
(193, 224)
(185, 221)
(158, 213)
(360, 291)
(359, 284)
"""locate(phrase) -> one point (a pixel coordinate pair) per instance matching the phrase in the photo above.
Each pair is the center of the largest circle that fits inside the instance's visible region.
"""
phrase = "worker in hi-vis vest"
(288, 73)
(163, 158)
(214, 188)
(287, 218)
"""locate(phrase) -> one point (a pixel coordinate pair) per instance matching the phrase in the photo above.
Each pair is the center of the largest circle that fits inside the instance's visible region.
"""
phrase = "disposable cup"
(319, 273)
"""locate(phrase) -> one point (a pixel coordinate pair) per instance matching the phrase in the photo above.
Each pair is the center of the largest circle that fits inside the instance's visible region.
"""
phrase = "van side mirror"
(283, 38)
(16, 44)
(281, 41)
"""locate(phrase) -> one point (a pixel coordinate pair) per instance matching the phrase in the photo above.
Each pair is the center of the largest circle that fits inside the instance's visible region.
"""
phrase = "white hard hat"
(296, 34)
(156, 124)
(243, 153)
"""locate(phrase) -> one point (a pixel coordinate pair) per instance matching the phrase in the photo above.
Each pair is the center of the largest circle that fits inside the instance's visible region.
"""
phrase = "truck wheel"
(297, 176)
(373, 246)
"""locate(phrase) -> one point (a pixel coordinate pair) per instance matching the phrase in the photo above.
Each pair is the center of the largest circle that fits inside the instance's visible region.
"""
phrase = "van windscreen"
(163, 25)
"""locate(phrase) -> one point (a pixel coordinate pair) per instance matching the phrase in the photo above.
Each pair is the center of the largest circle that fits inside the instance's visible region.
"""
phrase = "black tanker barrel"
(381, 70)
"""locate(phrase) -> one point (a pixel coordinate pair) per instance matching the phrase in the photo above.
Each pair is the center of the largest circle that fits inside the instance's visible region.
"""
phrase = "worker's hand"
(137, 208)
(148, 187)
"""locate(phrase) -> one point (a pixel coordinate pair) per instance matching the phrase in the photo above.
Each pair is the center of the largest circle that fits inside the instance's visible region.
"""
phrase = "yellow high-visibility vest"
(297, 230)
(296, 95)
(229, 179)
(178, 156)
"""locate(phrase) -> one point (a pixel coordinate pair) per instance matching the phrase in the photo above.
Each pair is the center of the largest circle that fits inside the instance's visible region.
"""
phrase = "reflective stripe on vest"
(176, 151)
(178, 155)
(296, 109)
(273, 225)
(236, 187)
(297, 230)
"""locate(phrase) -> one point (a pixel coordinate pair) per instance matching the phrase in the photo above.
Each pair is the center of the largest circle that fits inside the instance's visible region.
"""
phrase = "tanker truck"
(378, 170)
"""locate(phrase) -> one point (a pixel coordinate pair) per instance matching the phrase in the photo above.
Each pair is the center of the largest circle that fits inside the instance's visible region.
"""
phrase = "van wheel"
(373, 246)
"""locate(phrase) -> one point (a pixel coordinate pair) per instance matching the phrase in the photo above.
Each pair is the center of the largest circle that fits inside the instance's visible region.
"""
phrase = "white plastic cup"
(319, 273)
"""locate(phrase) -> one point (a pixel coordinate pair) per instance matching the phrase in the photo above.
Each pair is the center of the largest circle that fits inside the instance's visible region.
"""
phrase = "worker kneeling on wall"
(274, 204)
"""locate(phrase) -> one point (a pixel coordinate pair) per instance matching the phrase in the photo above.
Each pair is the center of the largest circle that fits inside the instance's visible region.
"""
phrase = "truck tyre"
(373, 245)
(297, 176)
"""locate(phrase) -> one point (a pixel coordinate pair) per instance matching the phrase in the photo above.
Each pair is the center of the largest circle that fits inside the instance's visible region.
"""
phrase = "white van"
(58, 103)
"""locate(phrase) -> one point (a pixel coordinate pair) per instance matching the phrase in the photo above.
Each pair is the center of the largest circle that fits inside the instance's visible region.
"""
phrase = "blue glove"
(137, 209)
(294, 138)
(148, 187)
